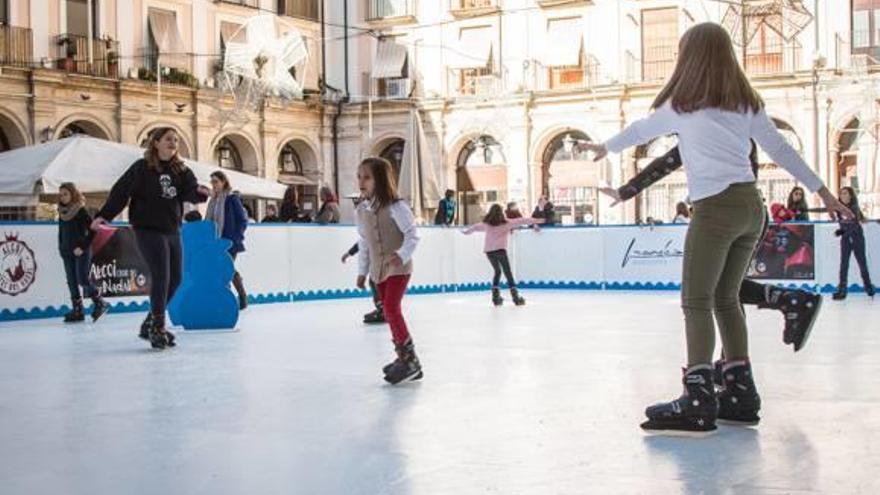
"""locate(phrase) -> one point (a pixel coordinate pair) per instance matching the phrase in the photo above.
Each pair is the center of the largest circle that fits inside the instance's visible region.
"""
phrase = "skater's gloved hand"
(77, 251)
(345, 257)
(361, 282)
(838, 232)
(836, 209)
(396, 260)
(97, 223)
(204, 191)
(612, 193)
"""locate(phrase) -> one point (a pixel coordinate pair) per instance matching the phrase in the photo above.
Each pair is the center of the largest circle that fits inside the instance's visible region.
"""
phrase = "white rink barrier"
(286, 263)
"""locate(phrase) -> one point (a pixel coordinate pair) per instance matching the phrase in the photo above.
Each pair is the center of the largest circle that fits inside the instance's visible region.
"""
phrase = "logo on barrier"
(633, 253)
(18, 266)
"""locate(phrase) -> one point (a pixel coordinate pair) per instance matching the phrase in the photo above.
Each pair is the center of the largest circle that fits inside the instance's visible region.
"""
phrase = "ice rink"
(541, 399)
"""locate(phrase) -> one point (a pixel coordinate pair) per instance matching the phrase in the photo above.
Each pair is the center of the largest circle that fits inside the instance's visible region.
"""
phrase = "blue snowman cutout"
(204, 300)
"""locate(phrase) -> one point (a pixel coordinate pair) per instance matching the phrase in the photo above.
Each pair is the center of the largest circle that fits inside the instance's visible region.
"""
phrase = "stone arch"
(83, 123)
(236, 151)
(12, 133)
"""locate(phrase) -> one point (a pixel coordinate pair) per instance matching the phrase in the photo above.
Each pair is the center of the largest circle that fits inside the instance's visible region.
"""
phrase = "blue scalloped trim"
(854, 288)
(320, 295)
(642, 286)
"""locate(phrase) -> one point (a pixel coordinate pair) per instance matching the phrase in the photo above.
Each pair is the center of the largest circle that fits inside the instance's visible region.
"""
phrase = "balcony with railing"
(16, 46)
(177, 68)
(549, 4)
(565, 78)
(304, 9)
(776, 61)
(79, 55)
(853, 52)
(254, 4)
(392, 11)
(471, 8)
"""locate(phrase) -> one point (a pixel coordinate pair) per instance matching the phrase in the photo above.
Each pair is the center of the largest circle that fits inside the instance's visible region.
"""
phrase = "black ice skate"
(870, 290)
(158, 335)
(738, 400)
(76, 314)
(692, 414)
(144, 334)
(406, 367)
(801, 308)
(374, 317)
(99, 307)
(840, 294)
(497, 300)
(517, 299)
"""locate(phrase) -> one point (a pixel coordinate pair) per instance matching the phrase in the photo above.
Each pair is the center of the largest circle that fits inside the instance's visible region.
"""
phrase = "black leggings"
(164, 258)
(500, 262)
(853, 242)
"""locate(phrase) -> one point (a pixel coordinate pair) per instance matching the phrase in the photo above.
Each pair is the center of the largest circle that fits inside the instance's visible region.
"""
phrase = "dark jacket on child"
(75, 233)
(235, 223)
(154, 199)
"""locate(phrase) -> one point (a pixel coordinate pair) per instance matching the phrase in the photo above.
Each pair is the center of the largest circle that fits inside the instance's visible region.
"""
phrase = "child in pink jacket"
(497, 229)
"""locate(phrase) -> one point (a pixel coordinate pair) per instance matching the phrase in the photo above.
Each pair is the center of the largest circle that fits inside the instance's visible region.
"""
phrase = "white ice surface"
(541, 399)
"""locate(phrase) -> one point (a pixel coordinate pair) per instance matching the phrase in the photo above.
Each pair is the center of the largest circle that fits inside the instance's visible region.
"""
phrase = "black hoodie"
(154, 199)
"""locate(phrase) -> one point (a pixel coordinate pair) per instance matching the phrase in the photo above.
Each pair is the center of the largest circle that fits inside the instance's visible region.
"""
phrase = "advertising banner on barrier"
(117, 267)
(787, 252)
(644, 256)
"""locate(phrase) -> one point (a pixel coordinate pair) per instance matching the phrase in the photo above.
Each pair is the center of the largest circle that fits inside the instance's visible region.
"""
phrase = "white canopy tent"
(94, 165)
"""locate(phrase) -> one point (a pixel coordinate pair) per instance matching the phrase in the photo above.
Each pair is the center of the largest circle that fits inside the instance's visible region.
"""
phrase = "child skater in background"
(497, 228)
(388, 239)
(375, 316)
(74, 244)
(852, 242)
(710, 104)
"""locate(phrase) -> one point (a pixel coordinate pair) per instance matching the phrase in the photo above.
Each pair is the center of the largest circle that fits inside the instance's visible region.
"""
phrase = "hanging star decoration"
(786, 17)
(261, 65)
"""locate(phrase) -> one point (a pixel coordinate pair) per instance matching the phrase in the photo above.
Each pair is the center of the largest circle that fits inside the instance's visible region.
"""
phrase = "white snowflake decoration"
(259, 68)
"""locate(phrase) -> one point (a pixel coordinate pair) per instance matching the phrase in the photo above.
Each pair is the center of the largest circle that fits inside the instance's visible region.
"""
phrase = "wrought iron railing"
(16, 46)
(72, 54)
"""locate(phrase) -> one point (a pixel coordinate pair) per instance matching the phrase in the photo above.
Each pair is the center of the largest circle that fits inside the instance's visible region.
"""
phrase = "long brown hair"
(385, 185)
(219, 175)
(495, 217)
(151, 155)
(75, 195)
(853, 204)
(707, 75)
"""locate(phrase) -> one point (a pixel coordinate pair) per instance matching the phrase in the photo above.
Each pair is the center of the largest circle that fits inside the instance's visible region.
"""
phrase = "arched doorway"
(298, 166)
(10, 136)
(570, 179)
(774, 182)
(82, 127)
(182, 146)
(235, 152)
(856, 161)
(657, 203)
(393, 152)
(481, 177)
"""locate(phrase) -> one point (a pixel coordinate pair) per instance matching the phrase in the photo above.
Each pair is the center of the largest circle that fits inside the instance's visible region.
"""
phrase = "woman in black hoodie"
(154, 188)
(74, 244)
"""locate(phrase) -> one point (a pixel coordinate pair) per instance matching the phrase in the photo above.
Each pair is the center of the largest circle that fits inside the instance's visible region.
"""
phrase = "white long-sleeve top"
(406, 222)
(714, 146)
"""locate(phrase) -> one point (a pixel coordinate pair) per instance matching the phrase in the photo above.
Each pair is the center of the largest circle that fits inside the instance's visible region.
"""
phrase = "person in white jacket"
(710, 104)
(387, 240)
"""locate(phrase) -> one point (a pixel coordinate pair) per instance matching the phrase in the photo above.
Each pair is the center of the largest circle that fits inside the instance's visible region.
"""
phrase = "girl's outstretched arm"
(477, 227)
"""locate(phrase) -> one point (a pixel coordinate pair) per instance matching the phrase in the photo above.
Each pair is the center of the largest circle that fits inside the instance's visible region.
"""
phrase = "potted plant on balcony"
(68, 49)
